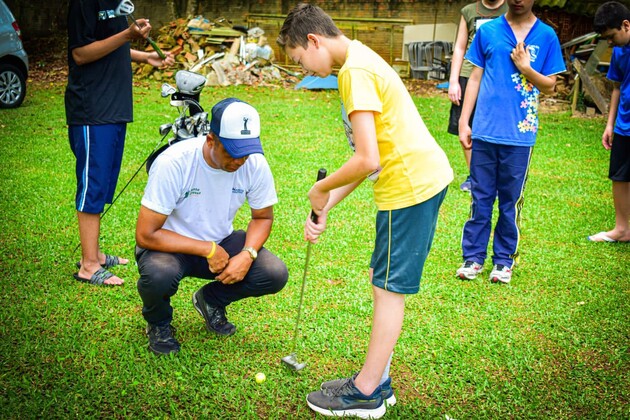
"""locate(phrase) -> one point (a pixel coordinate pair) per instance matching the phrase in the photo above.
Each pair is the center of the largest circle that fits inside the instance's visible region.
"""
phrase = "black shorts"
(619, 169)
(456, 110)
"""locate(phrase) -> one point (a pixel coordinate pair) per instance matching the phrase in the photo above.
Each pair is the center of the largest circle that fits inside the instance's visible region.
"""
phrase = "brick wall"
(567, 26)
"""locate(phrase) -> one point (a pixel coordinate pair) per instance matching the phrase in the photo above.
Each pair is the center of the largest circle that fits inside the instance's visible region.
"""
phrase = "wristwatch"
(252, 252)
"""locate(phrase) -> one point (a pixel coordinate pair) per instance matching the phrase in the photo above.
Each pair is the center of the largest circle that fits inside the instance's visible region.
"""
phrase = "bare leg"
(467, 154)
(91, 257)
(389, 312)
(621, 198)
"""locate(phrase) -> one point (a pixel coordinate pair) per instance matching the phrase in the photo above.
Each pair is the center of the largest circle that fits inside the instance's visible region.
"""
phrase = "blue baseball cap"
(237, 124)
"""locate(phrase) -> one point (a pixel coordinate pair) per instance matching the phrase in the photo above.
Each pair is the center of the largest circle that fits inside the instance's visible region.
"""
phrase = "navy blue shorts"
(403, 241)
(619, 169)
(98, 150)
(456, 110)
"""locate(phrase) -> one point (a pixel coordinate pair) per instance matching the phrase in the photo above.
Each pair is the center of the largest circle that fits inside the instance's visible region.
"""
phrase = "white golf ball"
(260, 377)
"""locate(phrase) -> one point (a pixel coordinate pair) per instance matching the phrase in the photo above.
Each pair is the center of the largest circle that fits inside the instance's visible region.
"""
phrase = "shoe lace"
(164, 332)
(220, 315)
(345, 388)
(469, 264)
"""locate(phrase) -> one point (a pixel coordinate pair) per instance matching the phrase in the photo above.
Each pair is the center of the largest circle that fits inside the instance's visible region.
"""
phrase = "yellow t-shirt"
(414, 167)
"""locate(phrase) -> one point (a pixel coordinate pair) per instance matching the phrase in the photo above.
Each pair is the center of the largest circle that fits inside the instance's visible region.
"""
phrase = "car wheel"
(12, 86)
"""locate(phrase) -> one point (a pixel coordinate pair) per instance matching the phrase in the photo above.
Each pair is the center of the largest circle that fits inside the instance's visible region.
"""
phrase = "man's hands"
(230, 270)
(219, 259)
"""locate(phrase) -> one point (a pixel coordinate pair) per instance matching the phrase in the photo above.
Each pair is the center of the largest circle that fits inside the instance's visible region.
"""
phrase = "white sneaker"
(500, 273)
(469, 270)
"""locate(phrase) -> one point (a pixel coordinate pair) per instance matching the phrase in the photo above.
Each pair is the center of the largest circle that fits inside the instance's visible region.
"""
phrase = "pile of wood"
(226, 55)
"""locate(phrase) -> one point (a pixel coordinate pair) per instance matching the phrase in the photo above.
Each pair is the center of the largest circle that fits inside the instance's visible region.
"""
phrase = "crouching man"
(184, 227)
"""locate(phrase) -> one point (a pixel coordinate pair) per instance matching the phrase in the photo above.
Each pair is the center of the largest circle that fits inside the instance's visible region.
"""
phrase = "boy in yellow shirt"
(410, 172)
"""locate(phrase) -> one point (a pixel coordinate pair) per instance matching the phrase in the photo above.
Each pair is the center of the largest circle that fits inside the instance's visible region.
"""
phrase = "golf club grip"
(321, 174)
(156, 48)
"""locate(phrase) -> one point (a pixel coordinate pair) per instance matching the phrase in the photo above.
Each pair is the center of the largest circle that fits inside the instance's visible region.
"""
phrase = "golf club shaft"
(321, 174)
(297, 321)
(151, 41)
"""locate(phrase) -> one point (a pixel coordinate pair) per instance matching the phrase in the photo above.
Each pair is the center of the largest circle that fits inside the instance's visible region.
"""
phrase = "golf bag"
(193, 120)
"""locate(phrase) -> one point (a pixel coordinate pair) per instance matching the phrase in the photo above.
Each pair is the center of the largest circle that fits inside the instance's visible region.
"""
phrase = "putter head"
(125, 8)
(292, 363)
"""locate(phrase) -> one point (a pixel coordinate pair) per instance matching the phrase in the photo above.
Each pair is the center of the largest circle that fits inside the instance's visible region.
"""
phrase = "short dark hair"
(302, 20)
(610, 15)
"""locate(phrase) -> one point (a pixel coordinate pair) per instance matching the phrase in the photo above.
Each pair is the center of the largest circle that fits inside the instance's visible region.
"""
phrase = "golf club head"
(125, 8)
(292, 363)
(167, 90)
(165, 128)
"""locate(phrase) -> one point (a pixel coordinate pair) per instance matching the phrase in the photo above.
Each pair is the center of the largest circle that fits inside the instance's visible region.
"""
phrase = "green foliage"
(553, 344)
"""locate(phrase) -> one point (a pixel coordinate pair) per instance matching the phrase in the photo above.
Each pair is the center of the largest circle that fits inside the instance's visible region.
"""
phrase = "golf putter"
(126, 8)
(291, 360)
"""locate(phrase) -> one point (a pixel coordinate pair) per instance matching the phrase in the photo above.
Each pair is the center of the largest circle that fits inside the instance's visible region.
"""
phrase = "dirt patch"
(48, 61)
(424, 88)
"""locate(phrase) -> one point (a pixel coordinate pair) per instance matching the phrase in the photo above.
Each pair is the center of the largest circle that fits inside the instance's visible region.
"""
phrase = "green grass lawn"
(552, 344)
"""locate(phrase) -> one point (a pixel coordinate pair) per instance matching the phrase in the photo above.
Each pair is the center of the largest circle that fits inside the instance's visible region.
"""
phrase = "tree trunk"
(192, 8)
(172, 9)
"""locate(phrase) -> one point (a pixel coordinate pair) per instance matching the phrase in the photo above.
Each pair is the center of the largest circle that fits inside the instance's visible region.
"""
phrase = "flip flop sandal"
(601, 237)
(98, 278)
(110, 261)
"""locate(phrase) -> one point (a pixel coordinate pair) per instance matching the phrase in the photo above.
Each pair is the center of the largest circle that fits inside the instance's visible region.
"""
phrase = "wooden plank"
(593, 60)
(576, 94)
(590, 88)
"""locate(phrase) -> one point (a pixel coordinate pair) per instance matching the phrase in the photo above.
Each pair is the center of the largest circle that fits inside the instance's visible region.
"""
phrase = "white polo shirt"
(200, 201)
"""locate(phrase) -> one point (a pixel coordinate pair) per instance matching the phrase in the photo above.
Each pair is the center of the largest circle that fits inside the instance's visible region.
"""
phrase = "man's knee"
(159, 274)
(278, 275)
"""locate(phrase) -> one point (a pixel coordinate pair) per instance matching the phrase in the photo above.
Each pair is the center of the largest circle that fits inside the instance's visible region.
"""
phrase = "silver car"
(13, 61)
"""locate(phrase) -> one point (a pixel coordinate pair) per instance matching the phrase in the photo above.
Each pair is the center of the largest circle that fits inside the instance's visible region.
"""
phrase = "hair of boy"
(302, 20)
(610, 15)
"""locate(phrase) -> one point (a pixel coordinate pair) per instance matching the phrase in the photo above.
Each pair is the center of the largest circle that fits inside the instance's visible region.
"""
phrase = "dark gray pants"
(160, 274)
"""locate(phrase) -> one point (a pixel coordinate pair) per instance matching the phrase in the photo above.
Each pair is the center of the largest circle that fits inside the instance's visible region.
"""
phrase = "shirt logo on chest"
(533, 52)
(106, 14)
(191, 192)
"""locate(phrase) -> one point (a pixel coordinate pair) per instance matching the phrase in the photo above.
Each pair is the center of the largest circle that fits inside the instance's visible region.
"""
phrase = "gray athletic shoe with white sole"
(387, 392)
(347, 400)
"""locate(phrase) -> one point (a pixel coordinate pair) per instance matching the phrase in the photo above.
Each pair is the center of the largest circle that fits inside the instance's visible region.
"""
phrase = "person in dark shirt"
(98, 103)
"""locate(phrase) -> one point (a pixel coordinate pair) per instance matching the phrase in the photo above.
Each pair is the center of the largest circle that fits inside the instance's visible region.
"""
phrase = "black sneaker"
(387, 392)
(161, 339)
(213, 315)
(347, 400)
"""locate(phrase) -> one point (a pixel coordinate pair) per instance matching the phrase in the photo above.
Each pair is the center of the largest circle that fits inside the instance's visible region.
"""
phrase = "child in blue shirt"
(612, 21)
(516, 56)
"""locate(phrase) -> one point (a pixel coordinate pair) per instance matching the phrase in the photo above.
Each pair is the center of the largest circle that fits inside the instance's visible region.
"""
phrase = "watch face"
(252, 252)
